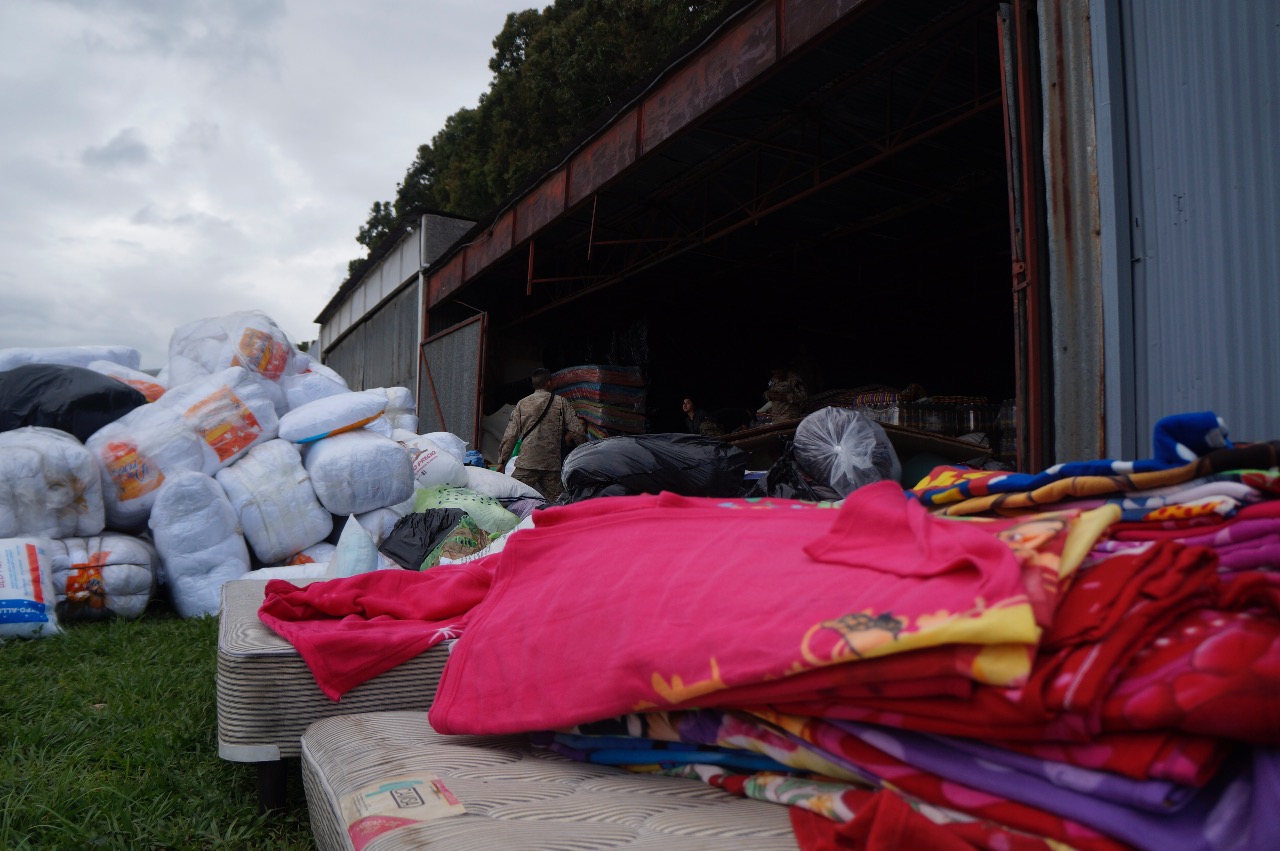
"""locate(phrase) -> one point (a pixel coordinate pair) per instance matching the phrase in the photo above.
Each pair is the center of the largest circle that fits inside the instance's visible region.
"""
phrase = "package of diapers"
(50, 485)
(144, 383)
(272, 495)
(248, 339)
(202, 425)
(102, 576)
(358, 471)
(331, 415)
(197, 535)
(27, 598)
(70, 356)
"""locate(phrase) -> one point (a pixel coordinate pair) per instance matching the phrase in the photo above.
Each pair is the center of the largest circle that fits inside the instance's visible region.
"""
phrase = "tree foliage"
(555, 71)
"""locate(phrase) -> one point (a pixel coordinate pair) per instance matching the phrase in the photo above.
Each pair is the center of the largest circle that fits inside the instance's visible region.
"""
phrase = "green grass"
(108, 739)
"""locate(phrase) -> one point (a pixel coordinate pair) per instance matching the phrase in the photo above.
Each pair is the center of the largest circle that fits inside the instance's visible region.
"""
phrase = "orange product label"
(33, 567)
(84, 585)
(225, 423)
(149, 389)
(134, 473)
(262, 353)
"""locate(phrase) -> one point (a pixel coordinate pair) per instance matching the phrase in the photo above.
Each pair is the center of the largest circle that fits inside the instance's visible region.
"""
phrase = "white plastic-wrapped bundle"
(315, 381)
(379, 522)
(272, 495)
(103, 575)
(401, 410)
(433, 465)
(70, 356)
(27, 598)
(250, 339)
(197, 535)
(845, 450)
(358, 471)
(451, 443)
(147, 385)
(497, 485)
(49, 485)
(331, 415)
(202, 425)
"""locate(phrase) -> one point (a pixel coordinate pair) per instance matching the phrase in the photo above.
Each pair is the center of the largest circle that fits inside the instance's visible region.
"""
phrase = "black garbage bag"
(845, 450)
(786, 480)
(73, 399)
(419, 540)
(686, 464)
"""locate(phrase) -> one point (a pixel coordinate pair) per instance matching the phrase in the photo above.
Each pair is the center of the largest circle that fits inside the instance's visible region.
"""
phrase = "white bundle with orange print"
(249, 339)
(272, 495)
(148, 385)
(49, 485)
(102, 576)
(203, 426)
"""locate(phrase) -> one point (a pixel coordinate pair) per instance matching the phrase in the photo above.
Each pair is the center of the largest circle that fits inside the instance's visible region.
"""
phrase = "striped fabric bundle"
(609, 399)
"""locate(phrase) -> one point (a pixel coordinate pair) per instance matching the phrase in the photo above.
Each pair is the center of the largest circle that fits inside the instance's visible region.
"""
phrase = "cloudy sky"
(163, 161)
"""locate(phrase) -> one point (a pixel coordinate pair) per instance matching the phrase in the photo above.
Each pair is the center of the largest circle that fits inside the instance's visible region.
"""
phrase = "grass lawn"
(108, 739)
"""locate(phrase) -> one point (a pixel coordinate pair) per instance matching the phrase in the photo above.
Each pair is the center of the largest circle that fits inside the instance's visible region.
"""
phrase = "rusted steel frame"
(431, 382)
(934, 81)
(851, 79)
(820, 185)
(1034, 416)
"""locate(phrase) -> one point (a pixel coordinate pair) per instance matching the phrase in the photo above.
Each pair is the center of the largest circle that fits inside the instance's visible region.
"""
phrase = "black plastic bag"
(686, 464)
(416, 535)
(785, 480)
(73, 399)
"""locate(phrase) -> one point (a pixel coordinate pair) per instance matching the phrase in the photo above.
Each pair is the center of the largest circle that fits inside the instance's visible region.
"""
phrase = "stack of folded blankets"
(609, 399)
(1087, 657)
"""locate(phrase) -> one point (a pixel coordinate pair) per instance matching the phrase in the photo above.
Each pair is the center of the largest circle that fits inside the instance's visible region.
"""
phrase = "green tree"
(555, 73)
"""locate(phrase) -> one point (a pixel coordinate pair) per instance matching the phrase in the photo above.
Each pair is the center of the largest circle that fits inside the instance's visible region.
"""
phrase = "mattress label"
(396, 802)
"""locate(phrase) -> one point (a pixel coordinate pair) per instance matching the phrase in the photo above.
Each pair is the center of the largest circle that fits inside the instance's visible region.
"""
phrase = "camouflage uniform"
(790, 398)
(538, 464)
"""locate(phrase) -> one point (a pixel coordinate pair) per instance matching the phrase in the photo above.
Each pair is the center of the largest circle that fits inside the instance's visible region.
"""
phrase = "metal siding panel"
(1206, 187)
(1072, 216)
(445, 279)
(453, 364)
(736, 57)
(490, 247)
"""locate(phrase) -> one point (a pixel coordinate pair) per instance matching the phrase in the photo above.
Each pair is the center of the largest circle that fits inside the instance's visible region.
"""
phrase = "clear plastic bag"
(845, 450)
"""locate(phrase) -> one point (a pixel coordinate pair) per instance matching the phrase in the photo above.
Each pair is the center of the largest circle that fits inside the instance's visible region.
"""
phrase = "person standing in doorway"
(787, 393)
(539, 424)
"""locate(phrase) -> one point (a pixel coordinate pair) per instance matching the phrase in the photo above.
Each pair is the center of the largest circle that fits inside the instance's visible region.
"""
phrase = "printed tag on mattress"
(225, 422)
(397, 802)
(262, 353)
(135, 474)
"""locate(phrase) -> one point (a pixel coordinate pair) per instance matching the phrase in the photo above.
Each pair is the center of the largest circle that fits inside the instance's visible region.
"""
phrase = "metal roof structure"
(837, 167)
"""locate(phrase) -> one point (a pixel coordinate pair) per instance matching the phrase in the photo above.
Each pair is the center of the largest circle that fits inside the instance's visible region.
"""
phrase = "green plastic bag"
(486, 511)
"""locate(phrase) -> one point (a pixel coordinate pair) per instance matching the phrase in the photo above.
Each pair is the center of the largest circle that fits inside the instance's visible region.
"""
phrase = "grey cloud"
(202, 136)
(230, 35)
(124, 149)
(149, 215)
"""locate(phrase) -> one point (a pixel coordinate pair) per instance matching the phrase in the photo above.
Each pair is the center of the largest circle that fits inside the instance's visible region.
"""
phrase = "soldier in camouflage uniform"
(538, 463)
(787, 393)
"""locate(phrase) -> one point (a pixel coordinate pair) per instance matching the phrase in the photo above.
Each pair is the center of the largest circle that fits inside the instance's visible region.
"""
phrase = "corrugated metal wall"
(1203, 112)
(382, 350)
(449, 395)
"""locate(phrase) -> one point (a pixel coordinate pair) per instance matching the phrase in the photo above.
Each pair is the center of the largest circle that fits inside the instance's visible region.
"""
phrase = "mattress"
(385, 781)
(266, 695)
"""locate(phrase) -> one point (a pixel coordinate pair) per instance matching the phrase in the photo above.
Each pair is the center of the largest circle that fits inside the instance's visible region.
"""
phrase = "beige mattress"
(390, 781)
(266, 695)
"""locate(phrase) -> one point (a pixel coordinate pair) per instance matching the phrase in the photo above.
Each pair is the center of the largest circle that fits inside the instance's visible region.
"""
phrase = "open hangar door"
(847, 211)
